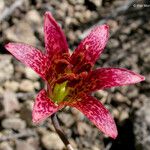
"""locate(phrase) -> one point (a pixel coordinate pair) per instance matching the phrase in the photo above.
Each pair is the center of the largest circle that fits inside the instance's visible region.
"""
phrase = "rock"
(79, 17)
(52, 141)
(79, 1)
(113, 25)
(73, 143)
(113, 43)
(146, 55)
(42, 130)
(21, 32)
(102, 95)
(5, 146)
(77, 114)
(68, 20)
(37, 85)
(142, 126)
(94, 147)
(122, 37)
(97, 3)
(132, 92)
(2, 6)
(13, 123)
(26, 86)
(118, 97)
(34, 142)
(6, 72)
(126, 46)
(87, 15)
(61, 14)
(83, 128)
(26, 96)
(33, 17)
(126, 30)
(74, 2)
(24, 145)
(71, 36)
(123, 115)
(30, 74)
(1, 91)
(67, 119)
(11, 85)
(115, 113)
(19, 70)
(10, 102)
(26, 112)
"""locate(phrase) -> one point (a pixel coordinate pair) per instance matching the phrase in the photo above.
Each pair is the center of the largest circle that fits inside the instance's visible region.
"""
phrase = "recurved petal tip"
(7, 45)
(134, 77)
(30, 56)
(140, 78)
(98, 114)
(92, 46)
(10, 46)
(47, 13)
(105, 27)
(114, 134)
(55, 40)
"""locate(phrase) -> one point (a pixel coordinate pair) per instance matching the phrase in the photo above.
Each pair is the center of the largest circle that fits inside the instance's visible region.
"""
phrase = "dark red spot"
(84, 68)
(60, 65)
(78, 59)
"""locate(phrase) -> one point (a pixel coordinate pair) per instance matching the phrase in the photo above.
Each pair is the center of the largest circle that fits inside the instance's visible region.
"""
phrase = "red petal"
(97, 114)
(43, 107)
(92, 46)
(110, 77)
(55, 41)
(30, 56)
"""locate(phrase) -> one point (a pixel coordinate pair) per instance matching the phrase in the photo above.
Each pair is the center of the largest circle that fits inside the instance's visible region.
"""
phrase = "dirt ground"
(128, 47)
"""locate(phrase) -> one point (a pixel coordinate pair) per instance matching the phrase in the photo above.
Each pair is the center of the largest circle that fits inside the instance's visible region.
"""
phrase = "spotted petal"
(97, 114)
(91, 47)
(30, 56)
(43, 107)
(110, 77)
(55, 41)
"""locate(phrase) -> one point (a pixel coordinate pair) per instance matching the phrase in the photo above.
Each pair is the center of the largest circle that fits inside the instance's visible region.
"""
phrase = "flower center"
(60, 92)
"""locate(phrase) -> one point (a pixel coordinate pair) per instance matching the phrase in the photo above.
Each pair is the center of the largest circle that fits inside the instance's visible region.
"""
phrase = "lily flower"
(70, 79)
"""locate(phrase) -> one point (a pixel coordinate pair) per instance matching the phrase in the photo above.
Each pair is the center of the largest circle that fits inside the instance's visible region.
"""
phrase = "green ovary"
(60, 92)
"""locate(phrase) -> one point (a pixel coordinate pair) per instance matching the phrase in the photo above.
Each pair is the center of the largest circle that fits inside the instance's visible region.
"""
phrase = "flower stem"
(60, 132)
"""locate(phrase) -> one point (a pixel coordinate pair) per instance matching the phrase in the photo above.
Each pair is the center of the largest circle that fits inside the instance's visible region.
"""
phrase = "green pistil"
(60, 92)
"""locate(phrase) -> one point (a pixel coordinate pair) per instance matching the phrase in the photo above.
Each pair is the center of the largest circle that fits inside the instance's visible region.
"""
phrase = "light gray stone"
(2, 6)
(30, 74)
(26, 86)
(24, 145)
(52, 141)
(33, 17)
(5, 146)
(5, 72)
(13, 123)
(21, 32)
(10, 102)
(142, 126)
(11, 85)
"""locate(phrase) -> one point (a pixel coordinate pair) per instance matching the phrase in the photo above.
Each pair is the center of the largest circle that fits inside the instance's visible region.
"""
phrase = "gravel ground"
(128, 47)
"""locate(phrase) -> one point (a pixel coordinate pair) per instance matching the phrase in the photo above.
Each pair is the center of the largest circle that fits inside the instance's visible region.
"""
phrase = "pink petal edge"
(98, 114)
(110, 77)
(43, 107)
(30, 56)
(55, 40)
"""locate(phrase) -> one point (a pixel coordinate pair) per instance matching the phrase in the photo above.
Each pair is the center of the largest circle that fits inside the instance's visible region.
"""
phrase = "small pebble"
(13, 123)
